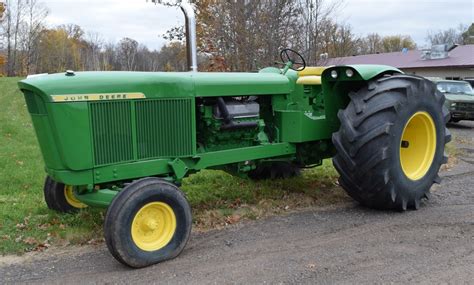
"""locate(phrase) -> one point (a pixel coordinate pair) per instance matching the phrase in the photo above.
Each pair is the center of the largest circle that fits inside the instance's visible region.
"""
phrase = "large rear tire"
(390, 145)
(148, 222)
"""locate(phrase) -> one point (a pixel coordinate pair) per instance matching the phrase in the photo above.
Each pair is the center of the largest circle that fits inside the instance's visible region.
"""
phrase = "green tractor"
(125, 140)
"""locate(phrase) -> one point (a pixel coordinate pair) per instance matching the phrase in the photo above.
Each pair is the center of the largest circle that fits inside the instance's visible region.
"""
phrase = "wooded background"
(233, 35)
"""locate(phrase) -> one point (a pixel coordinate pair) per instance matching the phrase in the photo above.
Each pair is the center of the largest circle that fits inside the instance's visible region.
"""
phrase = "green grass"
(217, 198)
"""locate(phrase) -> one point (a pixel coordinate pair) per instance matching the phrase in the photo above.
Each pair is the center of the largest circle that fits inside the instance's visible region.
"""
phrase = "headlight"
(453, 104)
(349, 73)
(334, 74)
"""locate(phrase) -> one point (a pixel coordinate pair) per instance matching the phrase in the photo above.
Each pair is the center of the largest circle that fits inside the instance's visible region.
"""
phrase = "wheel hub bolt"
(405, 144)
(150, 225)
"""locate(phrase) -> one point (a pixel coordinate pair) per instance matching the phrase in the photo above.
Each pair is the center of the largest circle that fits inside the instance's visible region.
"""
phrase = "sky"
(146, 22)
(406, 17)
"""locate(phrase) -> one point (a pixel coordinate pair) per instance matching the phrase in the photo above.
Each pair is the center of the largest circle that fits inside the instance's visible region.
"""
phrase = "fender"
(364, 72)
(339, 81)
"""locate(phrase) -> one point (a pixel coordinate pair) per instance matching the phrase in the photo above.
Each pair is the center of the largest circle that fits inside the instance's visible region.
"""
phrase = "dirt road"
(345, 244)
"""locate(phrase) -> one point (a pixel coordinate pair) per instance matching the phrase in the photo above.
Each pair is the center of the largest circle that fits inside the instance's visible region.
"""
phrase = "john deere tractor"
(125, 140)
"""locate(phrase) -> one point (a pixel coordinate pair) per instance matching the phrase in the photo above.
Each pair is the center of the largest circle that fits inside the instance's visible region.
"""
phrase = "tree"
(9, 35)
(23, 25)
(247, 35)
(172, 57)
(374, 43)
(371, 44)
(55, 51)
(108, 58)
(127, 50)
(35, 16)
(468, 35)
(91, 51)
(450, 36)
(314, 16)
(147, 60)
(18, 20)
(3, 9)
(338, 40)
(397, 43)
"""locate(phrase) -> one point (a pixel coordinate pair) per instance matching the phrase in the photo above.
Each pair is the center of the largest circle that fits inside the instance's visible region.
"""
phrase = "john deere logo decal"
(96, 97)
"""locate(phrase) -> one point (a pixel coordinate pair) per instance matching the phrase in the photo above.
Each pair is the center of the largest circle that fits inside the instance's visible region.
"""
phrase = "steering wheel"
(289, 55)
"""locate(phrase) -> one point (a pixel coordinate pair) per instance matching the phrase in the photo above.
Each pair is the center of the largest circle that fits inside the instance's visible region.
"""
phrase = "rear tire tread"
(367, 125)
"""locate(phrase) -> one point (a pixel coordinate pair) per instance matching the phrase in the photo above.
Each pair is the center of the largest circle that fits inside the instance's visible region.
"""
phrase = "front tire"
(148, 222)
(390, 145)
(60, 197)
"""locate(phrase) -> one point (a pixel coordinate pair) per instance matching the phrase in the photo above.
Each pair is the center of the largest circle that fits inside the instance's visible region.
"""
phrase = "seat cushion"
(309, 80)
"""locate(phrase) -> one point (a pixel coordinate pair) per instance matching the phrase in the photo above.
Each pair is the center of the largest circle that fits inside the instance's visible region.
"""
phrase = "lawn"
(218, 199)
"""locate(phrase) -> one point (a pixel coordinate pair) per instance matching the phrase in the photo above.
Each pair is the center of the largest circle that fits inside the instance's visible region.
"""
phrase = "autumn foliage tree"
(247, 35)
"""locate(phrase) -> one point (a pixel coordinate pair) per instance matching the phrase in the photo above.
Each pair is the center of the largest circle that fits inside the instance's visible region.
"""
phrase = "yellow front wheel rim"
(153, 226)
(418, 145)
(71, 199)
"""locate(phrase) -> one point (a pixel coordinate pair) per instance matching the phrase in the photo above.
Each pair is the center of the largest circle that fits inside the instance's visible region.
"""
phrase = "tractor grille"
(164, 128)
(138, 130)
(465, 107)
(112, 132)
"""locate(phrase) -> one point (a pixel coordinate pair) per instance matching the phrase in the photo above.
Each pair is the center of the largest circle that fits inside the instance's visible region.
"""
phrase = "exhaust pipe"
(191, 45)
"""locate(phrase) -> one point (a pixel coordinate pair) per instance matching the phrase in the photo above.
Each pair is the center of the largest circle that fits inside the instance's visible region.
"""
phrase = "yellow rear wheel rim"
(418, 145)
(71, 199)
(153, 226)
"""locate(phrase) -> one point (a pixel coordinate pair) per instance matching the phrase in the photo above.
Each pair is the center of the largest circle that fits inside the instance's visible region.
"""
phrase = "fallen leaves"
(233, 219)
(31, 232)
(41, 247)
(44, 226)
(34, 244)
(21, 226)
(235, 204)
(96, 241)
(24, 225)
(30, 241)
(55, 221)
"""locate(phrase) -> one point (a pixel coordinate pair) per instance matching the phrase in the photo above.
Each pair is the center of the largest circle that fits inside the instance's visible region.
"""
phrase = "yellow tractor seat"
(309, 80)
(310, 75)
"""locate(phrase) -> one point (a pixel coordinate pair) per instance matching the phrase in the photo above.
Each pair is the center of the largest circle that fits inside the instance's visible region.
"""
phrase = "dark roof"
(461, 56)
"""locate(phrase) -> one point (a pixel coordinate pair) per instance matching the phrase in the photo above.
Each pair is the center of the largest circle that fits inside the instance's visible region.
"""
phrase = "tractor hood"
(154, 84)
